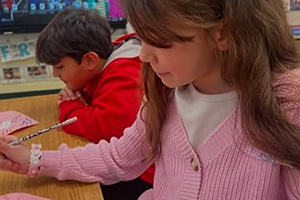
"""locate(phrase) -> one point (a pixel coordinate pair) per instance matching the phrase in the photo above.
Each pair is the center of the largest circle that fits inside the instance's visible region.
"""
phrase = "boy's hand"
(13, 158)
(67, 94)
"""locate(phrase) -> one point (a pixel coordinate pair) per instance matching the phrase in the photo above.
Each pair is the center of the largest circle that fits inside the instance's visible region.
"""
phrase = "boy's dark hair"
(73, 33)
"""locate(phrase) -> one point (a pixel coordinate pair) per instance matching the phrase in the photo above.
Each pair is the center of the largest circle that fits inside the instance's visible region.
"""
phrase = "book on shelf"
(291, 4)
(296, 30)
(294, 4)
(287, 4)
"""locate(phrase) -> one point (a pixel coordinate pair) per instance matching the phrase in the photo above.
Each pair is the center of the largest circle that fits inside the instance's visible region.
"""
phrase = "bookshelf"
(293, 17)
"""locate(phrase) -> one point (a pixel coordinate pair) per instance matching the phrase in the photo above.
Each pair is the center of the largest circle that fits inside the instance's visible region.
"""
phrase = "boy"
(101, 81)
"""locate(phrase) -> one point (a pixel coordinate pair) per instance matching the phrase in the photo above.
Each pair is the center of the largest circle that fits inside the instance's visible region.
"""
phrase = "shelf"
(293, 17)
(120, 24)
(37, 86)
(116, 24)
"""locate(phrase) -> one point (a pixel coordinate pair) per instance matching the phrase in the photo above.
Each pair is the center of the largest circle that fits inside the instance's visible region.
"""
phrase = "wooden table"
(44, 110)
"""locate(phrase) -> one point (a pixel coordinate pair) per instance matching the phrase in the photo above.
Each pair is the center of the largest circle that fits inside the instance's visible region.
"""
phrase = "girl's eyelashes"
(159, 45)
(163, 44)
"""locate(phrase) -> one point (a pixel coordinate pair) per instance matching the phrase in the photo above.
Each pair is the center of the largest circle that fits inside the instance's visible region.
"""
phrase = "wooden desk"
(44, 110)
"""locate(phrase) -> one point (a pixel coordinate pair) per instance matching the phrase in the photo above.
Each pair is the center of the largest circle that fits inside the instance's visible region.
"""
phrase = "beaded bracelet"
(35, 156)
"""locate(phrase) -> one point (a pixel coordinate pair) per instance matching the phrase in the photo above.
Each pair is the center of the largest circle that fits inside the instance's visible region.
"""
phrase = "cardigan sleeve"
(121, 159)
(292, 183)
(114, 105)
(287, 88)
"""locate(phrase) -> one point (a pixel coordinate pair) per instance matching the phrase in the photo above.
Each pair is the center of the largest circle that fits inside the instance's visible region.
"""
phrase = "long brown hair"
(261, 46)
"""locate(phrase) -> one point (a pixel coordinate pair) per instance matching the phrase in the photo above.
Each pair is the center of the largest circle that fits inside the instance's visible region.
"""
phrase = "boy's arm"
(114, 106)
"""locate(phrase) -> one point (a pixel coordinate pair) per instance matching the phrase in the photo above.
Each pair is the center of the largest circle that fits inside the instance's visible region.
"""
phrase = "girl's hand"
(13, 158)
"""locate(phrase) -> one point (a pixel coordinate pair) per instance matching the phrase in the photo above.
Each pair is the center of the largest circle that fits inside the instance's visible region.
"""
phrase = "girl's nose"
(147, 54)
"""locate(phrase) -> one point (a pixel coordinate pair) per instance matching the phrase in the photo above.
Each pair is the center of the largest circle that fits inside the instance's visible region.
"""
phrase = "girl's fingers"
(10, 138)
(3, 146)
(5, 164)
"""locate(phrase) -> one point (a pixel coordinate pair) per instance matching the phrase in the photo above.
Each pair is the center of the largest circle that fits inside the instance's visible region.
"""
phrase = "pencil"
(18, 141)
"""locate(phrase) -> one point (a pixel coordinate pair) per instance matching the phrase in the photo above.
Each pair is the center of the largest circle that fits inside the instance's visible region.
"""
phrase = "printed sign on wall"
(17, 51)
(12, 74)
(34, 72)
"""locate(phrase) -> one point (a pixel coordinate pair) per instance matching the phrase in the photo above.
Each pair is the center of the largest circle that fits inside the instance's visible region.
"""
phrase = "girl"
(221, 120)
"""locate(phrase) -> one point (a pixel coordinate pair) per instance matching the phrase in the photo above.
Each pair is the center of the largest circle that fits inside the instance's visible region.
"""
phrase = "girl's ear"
(90, 60)
(220, 37)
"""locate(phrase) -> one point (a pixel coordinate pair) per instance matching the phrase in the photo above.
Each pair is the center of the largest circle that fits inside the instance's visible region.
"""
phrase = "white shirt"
(202, 114)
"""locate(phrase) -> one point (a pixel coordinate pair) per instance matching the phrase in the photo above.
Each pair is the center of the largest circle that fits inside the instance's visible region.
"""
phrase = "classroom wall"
(24, 81)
